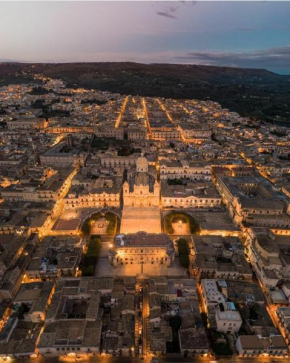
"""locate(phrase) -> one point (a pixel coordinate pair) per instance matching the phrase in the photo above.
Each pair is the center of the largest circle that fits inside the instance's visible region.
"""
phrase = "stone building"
(28, 123)
(73, 321)
(191, 194)
(62, 156)
(111, 159)
(141, 189)
(182, 168)
(142, 248)
(110, 131)
(269, 255)
(196, 133)
(252, 200)
(103, 192)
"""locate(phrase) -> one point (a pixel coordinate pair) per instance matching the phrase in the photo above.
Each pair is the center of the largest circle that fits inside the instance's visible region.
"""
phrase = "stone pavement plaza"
(147, 219)
(181, 228)
(104, 268)
(99, 226)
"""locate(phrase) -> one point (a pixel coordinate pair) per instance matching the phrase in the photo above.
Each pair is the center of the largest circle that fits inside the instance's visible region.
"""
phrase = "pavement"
(82, 213)
(138, 319)
(99, 226)
(145, 316)
(105, 359)
(181, 228)
(135, 219)
(104, 268)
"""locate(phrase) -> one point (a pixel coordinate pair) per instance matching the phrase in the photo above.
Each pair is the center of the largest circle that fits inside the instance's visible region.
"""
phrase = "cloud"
(166, 14)
(171, 11)
(266, 58)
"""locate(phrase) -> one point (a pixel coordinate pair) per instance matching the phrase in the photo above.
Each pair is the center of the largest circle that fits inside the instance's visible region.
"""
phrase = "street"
(153, 360)
(145, 313)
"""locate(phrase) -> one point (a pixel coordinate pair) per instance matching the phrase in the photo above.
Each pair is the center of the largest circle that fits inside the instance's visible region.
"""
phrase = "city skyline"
(234, 34)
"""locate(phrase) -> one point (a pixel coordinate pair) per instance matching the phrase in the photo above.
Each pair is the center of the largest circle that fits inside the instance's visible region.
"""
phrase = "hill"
(251, 92)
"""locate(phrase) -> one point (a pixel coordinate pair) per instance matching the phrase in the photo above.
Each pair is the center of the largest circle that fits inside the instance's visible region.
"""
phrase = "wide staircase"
(136, 219)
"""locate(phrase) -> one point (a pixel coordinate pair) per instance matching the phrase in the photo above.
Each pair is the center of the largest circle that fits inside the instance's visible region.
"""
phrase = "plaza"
(181, 228)
(103, 268)
(99, 226)
(146, 219)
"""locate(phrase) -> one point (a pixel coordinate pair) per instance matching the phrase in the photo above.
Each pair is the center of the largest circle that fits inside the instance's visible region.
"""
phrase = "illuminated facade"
(142, 248)
(104, 192)
(141, 190)
(175, 169)
(27, 124)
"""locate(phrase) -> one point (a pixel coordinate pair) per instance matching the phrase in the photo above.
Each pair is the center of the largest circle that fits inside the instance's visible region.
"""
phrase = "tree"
(113, 223)
(183, 248)
(253, 315)
(175, 322)
(90, 260)
(173, 217)
(183, 251)
(184, 260)
(86, 228)
(111, 218)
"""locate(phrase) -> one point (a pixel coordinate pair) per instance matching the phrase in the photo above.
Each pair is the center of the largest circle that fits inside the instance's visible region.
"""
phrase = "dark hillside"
(251, 92)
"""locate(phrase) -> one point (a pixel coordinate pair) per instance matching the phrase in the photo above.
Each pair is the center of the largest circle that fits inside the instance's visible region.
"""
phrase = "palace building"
(142, 248)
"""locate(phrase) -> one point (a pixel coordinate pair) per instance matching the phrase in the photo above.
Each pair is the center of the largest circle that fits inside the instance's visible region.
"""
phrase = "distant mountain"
(251, 92)
(10, 61)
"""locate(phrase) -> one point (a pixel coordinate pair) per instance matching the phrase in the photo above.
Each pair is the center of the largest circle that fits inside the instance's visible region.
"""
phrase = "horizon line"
(8, 61)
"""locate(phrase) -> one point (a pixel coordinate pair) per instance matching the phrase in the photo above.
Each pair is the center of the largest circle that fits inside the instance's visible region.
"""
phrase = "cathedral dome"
(142, 164)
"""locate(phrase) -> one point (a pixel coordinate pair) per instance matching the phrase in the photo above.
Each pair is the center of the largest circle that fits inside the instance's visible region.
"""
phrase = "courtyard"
(181, 227)
(99, 226)
(101, 223)
(180, 223)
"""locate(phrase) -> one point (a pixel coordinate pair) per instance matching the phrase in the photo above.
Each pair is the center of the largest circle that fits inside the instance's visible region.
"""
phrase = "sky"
(238, 34)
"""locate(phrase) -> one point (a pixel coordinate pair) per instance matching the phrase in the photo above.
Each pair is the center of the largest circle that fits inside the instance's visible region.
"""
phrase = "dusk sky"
(242, 34)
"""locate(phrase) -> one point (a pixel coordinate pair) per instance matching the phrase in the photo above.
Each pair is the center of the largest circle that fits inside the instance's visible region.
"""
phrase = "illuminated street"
(137, 228)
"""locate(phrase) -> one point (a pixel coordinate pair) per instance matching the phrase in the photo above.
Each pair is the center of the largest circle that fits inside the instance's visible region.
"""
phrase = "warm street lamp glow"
(178, 157)
(118, 121)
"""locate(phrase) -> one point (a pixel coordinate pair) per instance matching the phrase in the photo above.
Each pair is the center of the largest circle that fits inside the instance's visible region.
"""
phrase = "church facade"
(141, 189)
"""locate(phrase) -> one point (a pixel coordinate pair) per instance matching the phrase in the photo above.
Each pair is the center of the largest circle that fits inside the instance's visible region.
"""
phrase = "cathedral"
(142, 188)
